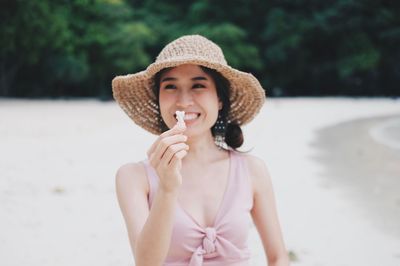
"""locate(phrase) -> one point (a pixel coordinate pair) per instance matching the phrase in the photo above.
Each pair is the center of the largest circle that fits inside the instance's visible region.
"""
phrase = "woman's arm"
(265, 215)
(149, 230)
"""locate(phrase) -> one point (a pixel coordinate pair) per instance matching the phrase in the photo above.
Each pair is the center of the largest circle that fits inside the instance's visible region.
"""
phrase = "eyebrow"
(173, 79)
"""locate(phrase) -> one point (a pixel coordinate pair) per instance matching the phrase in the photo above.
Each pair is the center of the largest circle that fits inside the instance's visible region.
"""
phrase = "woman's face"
(188, 88)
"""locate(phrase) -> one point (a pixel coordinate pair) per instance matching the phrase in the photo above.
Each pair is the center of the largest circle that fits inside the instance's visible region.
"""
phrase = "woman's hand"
(165, 155)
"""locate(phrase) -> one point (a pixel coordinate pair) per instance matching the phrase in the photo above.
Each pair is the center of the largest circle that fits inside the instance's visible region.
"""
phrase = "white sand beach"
(334, 162)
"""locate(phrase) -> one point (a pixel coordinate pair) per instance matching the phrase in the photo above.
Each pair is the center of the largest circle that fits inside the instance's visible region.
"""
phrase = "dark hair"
(233, 134)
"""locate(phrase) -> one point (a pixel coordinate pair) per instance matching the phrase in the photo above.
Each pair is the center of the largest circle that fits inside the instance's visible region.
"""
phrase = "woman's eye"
(169, 86)
(198, 86)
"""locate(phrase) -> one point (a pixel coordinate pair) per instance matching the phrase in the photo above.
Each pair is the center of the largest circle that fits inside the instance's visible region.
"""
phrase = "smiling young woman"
(192, 200)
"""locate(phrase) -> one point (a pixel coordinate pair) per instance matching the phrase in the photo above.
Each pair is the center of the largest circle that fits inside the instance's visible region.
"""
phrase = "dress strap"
(242, 187)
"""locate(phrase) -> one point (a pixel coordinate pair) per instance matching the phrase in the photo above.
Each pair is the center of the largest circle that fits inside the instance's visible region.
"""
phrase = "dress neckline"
(222, 203)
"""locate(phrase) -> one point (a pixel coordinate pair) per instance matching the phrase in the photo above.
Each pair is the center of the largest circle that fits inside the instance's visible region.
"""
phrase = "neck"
(202, 149)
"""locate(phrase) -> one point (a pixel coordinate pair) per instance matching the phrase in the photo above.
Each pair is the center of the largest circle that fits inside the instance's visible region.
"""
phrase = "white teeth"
(190, 116)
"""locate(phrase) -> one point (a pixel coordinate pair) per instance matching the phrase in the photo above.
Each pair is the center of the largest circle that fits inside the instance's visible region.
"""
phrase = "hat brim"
(134, 94)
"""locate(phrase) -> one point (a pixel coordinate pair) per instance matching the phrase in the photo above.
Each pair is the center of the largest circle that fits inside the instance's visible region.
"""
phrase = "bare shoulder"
(132, 176)
(258, 171)
(132, 191)
(257, 167)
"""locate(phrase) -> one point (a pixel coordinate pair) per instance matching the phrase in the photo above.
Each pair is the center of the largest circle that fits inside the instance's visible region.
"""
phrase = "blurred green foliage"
(295, 47)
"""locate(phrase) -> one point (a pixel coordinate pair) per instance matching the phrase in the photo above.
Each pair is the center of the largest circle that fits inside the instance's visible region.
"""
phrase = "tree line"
(73, 48)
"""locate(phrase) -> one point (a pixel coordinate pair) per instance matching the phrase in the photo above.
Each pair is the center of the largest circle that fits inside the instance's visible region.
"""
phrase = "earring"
(220, 131)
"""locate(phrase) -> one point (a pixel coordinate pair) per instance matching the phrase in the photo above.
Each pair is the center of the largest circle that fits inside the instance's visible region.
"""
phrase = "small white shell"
(180, 115)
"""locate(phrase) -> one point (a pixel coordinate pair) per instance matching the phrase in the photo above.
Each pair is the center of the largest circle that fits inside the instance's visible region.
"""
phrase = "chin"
(196, 132)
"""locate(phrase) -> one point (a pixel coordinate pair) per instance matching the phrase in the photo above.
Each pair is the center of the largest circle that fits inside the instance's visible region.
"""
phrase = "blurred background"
(74, 48)
(329, 131)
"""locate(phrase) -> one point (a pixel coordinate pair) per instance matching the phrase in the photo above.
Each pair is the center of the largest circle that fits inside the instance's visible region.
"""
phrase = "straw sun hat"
(135, 96)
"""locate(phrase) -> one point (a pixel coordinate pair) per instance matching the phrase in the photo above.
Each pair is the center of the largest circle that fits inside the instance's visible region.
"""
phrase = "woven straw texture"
(134, 93)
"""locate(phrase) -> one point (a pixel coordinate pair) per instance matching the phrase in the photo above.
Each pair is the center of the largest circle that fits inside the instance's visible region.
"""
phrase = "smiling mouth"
(189, 116)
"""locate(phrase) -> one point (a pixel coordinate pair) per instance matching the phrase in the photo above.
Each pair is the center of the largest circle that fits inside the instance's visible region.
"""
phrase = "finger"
(173, 131)
(165, 143)
(177, 129)
(153, 162)
(171, 150)
(177, 158)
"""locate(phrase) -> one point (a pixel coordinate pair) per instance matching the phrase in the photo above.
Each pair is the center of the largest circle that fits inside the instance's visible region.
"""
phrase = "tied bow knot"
(209, 240)
(207, 249)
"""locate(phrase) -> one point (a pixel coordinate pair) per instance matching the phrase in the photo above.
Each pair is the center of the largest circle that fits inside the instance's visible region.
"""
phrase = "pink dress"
(225, 243)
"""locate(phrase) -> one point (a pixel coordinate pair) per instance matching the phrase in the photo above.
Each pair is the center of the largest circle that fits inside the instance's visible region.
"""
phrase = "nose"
(185, 99)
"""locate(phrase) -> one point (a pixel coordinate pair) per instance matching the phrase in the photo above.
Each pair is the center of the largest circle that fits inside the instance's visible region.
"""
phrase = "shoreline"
(370, 169)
